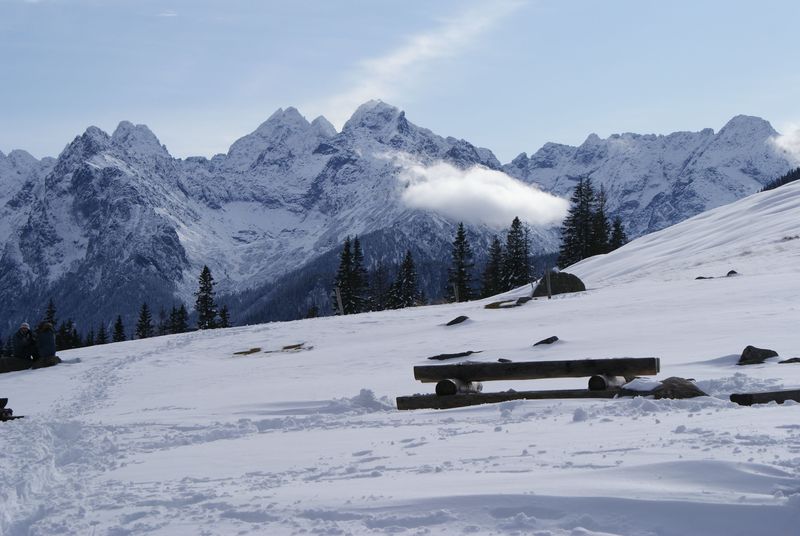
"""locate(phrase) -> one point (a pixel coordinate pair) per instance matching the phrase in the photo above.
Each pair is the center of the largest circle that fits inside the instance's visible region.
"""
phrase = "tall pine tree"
(144, 326)
(618, 236)
(359, 282)
(102, 336)
(224, 317)
(576, 231)
(119, 330)
(516, 266)
(204, 304)
(492, 281)
(460, 272)
(404, 291)
(343, 281)
(50, 313)
(379, 286)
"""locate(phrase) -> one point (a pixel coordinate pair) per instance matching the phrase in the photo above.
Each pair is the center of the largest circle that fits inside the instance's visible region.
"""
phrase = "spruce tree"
(359, 281)
(379, 286)
(601, 228)
(204, 305)
(163, 327)
(144, 326)
(460, 272)
(102, 336)
(224, 317)
(119, 330)
(343, 281)
(516, 266)
(64, 335)
(576, 231)
(89, 341)
(50, 313)
(492, 281)
(181, 321)
(618, 236)
(404, 291)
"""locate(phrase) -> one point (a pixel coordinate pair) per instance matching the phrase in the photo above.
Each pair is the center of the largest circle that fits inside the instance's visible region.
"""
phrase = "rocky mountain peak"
(138, 141)
(375, 117)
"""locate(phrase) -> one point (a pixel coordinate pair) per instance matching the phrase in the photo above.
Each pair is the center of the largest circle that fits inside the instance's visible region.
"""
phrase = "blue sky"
(509, 75)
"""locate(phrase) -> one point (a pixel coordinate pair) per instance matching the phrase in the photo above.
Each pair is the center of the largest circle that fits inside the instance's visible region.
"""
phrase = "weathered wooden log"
(601, 382)
(748, 399)
(533, 370)
(474, 399)
(453, 386)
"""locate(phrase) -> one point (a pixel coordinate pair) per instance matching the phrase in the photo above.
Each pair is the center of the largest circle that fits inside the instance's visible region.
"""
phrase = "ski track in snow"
(176, 435)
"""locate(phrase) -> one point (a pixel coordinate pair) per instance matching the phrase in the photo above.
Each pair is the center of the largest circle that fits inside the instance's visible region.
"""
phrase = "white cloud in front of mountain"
(477, 195)
(789, 141)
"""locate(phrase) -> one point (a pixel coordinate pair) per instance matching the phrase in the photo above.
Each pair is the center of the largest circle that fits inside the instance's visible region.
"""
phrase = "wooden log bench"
(748, 399)
(459, 385)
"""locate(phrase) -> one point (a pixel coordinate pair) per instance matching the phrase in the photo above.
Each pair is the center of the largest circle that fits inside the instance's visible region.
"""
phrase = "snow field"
(176, 435)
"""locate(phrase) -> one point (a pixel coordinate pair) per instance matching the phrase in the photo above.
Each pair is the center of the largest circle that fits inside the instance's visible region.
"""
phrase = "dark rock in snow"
(524, 299)
(791, 360)
(503, 360)
(442, 357)
(755, 356)
(457, 320)
(560, 283)
(677, 388)
(703, 277)
(732, 273)
(548, 340)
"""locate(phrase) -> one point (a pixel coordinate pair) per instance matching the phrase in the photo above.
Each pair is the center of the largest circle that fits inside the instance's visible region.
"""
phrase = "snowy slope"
(176, 435)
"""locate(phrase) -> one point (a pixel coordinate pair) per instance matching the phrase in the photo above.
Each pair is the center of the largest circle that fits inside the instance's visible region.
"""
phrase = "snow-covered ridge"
(291, 190)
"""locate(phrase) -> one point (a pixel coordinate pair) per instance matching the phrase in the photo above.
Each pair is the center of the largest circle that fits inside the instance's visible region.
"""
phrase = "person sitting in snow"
(46, 346)
(24, 342)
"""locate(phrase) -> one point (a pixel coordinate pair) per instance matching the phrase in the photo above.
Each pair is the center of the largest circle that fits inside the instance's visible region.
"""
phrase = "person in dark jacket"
(46, 341)
(46, 346)
(24, 342)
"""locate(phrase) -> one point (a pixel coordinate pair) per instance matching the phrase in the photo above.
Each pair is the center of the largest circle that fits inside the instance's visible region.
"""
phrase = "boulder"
(548, 340)
(755, 356)
(457, 320)
(442, 357)
(790, 360)
(524, 299)
(677, 388)
(560, 283)
(732, 273)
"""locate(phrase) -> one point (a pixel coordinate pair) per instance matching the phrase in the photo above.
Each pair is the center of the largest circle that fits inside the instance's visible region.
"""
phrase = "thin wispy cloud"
(477, 195)
(789, 141)
(168, 13)
(403, 69)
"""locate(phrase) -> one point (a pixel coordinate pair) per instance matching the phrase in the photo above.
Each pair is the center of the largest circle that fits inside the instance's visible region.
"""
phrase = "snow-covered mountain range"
(115, 220)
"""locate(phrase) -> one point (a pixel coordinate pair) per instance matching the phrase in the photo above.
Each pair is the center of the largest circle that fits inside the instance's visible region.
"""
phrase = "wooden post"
(547, 279)
(339, 301)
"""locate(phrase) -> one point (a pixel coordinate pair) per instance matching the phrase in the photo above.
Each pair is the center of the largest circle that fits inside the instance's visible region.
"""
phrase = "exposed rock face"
(755, 356)
(560, 283)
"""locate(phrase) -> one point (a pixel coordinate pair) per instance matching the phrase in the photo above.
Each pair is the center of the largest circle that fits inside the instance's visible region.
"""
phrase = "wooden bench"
(459, 385)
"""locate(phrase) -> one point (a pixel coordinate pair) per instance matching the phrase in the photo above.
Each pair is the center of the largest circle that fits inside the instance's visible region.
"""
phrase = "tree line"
(174, 321)
(585, 231)
(791, 176)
